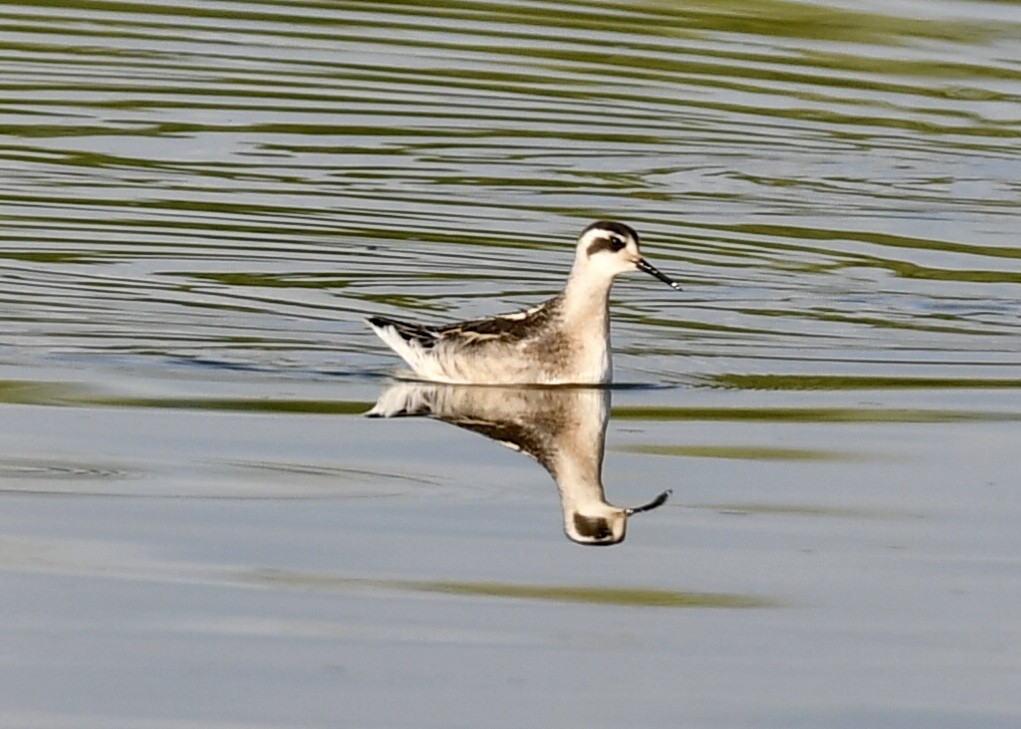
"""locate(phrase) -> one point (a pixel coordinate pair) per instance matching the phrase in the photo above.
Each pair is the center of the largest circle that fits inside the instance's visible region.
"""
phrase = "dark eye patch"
(592, 527)
(613, 242)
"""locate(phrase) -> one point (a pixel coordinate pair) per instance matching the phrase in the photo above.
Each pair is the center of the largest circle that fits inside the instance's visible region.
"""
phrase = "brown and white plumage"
(564, 340)
(563, 428)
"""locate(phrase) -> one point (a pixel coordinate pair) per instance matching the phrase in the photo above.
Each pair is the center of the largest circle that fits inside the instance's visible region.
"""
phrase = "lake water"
(201, 201)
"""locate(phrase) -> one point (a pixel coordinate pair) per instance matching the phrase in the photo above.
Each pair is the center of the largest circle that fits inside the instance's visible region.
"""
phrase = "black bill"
(658, 501)
(644, 265)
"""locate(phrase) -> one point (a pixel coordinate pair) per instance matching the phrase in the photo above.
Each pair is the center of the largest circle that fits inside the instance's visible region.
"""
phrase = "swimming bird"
(565, 340)
(563, 428)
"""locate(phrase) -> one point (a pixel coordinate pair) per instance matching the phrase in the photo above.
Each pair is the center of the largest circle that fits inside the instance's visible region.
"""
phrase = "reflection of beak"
(658, 501)
(644, 265)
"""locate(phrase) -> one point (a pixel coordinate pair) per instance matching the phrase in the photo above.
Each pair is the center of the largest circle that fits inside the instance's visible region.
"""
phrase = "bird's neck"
(586, 299)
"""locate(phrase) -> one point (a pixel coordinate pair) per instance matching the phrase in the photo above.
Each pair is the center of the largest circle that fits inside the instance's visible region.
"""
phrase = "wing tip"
(379, 322)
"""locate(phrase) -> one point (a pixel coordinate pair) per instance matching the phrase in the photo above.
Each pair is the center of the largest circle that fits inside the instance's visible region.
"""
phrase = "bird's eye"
(617, 243)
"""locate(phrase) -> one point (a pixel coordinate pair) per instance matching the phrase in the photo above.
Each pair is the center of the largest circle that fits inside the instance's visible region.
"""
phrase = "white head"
(607, 248)
(600, 524)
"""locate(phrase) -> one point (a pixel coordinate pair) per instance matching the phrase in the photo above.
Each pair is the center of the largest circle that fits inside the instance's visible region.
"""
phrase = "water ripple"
(247, 181)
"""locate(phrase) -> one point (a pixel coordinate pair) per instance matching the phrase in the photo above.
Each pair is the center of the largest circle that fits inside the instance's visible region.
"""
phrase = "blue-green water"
(199, 204)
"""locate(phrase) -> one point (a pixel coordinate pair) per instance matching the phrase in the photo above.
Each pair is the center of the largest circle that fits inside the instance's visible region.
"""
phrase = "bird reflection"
(564, 429)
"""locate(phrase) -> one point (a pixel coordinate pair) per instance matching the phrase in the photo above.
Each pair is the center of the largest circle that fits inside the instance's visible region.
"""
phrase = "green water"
(199, 204)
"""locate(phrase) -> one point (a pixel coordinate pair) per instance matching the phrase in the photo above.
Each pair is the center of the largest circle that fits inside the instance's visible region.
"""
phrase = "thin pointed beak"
(658, 501)
(644, 265)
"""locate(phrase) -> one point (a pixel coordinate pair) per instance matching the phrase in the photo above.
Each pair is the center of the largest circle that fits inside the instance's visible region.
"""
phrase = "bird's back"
(526, 347)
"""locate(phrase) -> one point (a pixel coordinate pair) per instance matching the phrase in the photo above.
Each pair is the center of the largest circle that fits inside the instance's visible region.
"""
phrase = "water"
(201, 201)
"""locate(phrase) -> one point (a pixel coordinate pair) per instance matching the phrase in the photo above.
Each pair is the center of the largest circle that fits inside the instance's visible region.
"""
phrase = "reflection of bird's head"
(599, 525)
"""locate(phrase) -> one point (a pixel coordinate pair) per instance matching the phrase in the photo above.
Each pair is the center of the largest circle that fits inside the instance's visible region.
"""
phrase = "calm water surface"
(201, 201)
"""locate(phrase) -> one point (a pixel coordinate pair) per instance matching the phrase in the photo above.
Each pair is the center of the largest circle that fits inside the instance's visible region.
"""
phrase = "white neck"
(586, 297)
(578, 461)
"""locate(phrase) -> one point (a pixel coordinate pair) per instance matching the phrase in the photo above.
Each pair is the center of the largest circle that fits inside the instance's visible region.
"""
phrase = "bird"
(562, 341)
(563, 428)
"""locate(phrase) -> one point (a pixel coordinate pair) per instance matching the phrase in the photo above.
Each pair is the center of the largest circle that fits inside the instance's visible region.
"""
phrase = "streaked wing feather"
(424, 335)
(507, 327)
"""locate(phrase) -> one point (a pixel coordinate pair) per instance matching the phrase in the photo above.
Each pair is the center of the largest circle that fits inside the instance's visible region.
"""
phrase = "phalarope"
(562, 341)
(563, 428)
